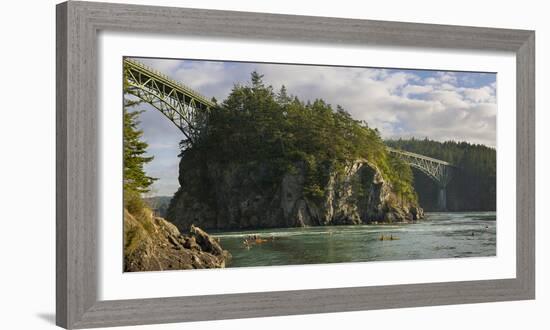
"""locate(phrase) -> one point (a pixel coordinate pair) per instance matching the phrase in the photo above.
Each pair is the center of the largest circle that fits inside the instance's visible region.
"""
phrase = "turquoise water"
(440, 235)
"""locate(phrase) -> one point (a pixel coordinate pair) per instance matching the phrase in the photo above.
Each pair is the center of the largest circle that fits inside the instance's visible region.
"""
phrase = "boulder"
(205, 241)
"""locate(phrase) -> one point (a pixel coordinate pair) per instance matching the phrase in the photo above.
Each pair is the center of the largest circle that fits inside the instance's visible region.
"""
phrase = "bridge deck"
(412, 154)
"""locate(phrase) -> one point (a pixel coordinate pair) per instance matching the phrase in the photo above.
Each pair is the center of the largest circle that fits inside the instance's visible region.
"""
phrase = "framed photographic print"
(217, 165)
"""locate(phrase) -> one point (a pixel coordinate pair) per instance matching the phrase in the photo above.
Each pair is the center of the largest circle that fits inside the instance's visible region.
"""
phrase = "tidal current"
(440, 235)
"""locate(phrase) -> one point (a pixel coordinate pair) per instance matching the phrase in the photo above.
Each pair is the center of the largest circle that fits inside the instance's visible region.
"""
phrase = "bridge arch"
(183, 106)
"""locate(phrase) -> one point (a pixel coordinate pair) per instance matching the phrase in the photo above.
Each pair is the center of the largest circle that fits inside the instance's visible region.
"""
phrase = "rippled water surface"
(440, 235)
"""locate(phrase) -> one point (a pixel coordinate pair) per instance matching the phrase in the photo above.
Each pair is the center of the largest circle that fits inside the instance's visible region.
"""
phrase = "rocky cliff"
(238, 196)
(152, 244)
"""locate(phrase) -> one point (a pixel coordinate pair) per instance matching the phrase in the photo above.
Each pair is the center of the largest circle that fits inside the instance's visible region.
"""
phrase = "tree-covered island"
(269, 159)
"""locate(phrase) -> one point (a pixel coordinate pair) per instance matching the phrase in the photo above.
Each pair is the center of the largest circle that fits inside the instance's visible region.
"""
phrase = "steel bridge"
(441, 172)
(188, 110)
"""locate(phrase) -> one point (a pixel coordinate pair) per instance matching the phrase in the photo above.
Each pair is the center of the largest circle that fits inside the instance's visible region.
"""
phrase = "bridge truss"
(439, 171)
(186, 108)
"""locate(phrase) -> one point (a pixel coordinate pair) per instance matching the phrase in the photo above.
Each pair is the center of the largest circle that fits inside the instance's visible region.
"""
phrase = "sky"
(440, 105)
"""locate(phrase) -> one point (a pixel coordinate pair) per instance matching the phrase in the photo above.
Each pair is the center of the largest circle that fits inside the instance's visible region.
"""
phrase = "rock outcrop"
(236, 196)
(152, 244)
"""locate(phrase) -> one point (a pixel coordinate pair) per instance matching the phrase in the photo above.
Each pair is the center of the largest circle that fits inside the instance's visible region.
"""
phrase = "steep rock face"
(152, 244)
(240, 196)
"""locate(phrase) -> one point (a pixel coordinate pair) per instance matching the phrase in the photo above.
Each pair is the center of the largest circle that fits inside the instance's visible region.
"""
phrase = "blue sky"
(440, 105)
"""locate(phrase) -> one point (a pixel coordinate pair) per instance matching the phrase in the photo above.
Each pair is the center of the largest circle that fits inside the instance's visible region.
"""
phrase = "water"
(440, 235)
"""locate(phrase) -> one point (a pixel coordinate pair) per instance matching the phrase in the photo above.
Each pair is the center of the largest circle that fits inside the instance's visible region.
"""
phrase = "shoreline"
(380, 224)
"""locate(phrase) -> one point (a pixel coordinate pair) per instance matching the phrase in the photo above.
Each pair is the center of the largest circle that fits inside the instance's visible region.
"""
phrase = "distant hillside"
(159, 204)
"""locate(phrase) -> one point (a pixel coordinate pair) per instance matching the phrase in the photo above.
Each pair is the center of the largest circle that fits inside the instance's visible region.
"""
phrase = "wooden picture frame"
(78, 24)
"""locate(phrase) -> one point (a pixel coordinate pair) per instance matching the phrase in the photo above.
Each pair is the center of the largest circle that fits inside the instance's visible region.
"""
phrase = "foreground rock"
(237, 196)
(152, 244)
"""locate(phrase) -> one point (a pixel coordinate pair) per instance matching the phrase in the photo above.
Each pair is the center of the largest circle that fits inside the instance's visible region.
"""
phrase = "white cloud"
(447, 77)
(416, 89)
(483, 94)
(447, 87)
(431, 81)
(162, 65)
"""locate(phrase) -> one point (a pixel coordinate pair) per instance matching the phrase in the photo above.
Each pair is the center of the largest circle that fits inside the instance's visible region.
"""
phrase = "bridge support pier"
(442, 199)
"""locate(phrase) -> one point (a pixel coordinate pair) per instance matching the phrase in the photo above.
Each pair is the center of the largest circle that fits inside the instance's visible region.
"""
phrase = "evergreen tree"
(257, 80)
(282, 97)
(135, 178)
